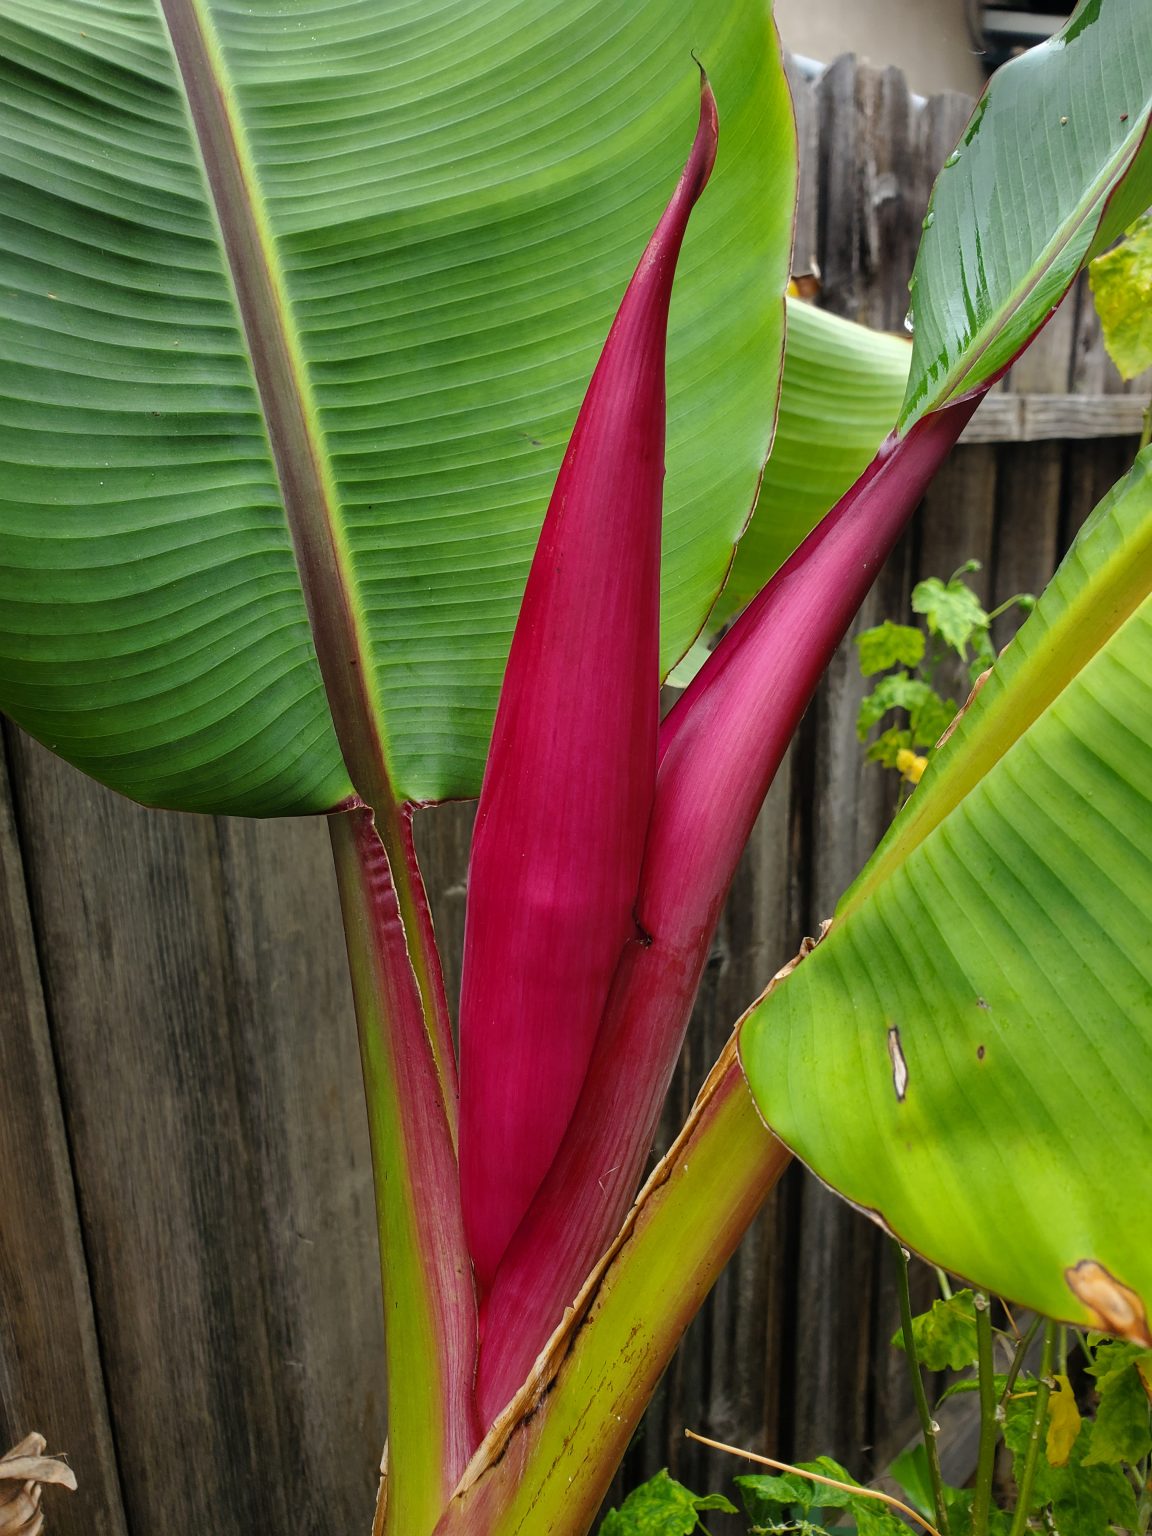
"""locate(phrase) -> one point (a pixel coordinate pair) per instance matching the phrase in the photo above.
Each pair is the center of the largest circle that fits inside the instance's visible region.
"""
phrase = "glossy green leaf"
(1053, 166)
(427, 217)
(888, 644)
(1122, 289)
(767, 1495)
(1123, 1430)
(839, 399)
(945, 1335)
(911, 1472)
(662, 1507)
(770, 1500)
(952, 610)
(1086, 1499)
(968, 1053)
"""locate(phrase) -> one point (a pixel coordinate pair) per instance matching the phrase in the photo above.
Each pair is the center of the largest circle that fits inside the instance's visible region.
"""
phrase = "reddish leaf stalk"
(569, 781)
(429, 1297)
(720, 748)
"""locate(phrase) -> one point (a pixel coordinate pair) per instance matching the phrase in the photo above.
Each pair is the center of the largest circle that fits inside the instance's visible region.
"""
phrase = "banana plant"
(300, 311)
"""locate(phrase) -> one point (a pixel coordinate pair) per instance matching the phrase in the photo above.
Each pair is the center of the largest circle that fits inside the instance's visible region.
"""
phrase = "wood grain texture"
(306, 1140)
(212, 1099)
(50, 1371)
(443, 835)
(1037, 418)
(129, 911)
(868, 232)
(805, 258)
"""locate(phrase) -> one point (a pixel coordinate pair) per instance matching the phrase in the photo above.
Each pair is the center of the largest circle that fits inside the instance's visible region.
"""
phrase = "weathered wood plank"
(804, 258)
(890, 1415)
(839, 196)
(305, 1144)
(848, 803)
(1028, 517)
(730, 1365)
(51, 1378)
(1090, 474)
(955, 526)
(871, 141)
(128, 907)
(1034, 418)
(1028, 508)
(443, 836)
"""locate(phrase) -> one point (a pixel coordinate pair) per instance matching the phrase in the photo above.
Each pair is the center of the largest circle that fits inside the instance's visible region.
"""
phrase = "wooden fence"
(188, 1283)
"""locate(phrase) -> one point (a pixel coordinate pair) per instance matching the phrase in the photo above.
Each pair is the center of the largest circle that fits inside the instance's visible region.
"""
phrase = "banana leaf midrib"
(291, 420)
(960, 381)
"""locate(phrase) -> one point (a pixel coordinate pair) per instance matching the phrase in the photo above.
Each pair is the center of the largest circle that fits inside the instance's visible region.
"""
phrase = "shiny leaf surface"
(1054, 164)
(968, 1054)
(839, 399)
(319, 290)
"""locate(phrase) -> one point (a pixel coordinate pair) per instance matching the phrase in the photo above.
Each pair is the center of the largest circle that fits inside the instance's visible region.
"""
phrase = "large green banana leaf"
(1053, 165)
(429, 213)
(839, 398)
(968, 1053)
(1029, 193)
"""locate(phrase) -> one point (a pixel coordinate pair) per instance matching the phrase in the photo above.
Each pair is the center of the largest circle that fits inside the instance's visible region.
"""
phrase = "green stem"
(986, 1459)
(927, 1423)
(1144, 1507)
(426, 1276)
(1040, 1413)
(1146, 435)
(1018, 1358)
(1003, 607)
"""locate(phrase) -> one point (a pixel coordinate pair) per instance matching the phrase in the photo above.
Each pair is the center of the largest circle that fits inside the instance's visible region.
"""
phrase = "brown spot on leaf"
(979, 1053)
(1115, 1308)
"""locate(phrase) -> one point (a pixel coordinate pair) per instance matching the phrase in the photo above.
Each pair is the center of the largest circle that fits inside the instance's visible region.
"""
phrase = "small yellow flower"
(910, 764)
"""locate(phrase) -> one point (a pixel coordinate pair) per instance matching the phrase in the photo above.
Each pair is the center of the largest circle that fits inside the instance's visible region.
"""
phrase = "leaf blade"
(1055, 154)
(840, 395)
(983, 932)
(447, 304)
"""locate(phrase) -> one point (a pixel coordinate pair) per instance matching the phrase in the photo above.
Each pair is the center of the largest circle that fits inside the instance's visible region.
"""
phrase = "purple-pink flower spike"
(569, 781)
(720, 748)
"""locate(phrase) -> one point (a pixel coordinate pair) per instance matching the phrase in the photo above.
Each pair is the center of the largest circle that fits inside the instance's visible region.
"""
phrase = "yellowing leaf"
(1122, 288)
(1063, 1423)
